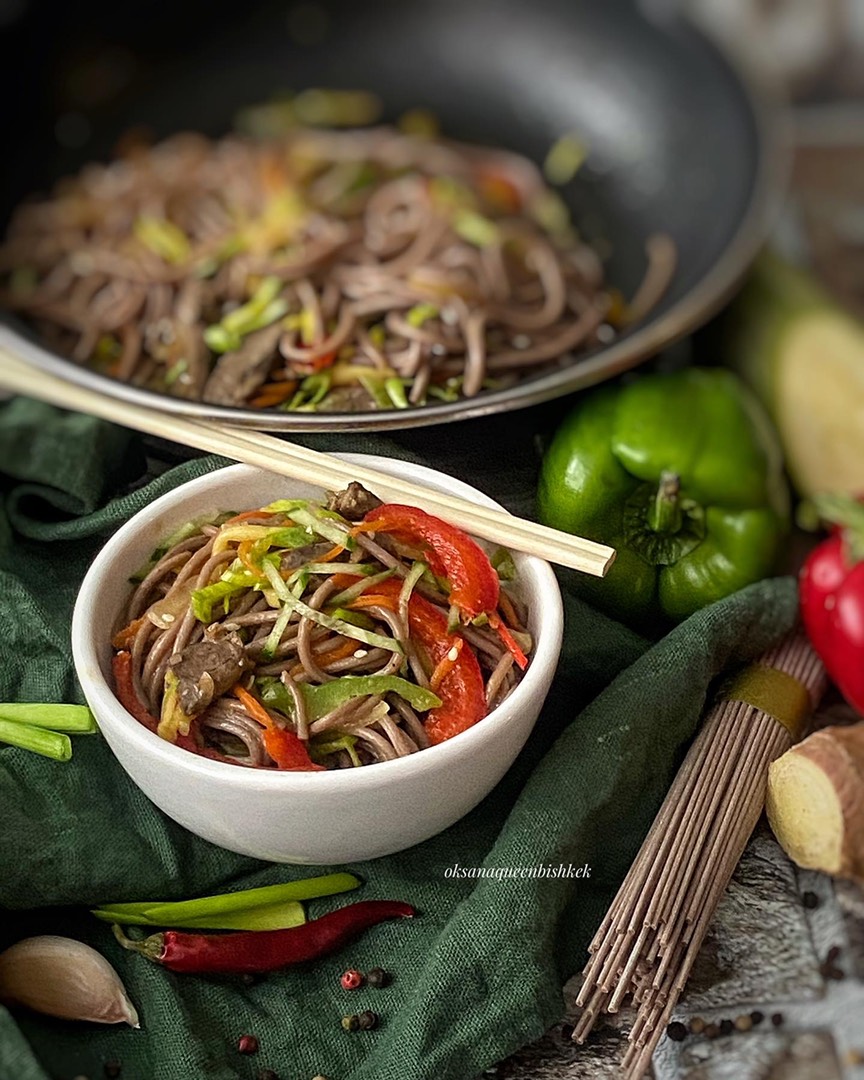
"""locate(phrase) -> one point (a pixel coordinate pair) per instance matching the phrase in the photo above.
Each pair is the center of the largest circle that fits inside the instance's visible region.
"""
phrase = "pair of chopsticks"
(288, 459)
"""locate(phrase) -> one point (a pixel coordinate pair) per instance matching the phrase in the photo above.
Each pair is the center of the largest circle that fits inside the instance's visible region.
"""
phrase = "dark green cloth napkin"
(481, 972)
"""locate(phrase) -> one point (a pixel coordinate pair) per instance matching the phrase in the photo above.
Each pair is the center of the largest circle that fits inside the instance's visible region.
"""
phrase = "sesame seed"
(521, 341)
(453, 655)
(360, 653)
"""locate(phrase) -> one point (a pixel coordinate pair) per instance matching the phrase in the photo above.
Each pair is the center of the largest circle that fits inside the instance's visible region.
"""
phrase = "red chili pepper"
(252, 951)
(462, 690)
(450, 553)
(832, 596)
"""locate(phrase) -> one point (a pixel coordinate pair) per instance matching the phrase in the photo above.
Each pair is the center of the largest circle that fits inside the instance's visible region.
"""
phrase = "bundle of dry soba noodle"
(323, 270)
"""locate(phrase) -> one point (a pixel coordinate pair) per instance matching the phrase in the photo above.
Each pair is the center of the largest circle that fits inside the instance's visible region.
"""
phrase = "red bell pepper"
(832, 596)
(450, 553)
(461, 689)
(287, 750)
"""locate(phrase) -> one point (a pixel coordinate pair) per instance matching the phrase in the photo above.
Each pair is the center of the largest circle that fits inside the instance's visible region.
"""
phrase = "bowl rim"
(85, 651)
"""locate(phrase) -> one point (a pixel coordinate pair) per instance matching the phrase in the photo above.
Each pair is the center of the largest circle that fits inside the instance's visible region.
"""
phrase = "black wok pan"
(678, 142)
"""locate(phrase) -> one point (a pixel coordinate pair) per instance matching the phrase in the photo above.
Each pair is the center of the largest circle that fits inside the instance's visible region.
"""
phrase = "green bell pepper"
(682, 474)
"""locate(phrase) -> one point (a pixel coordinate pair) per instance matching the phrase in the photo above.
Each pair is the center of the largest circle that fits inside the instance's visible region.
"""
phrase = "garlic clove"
(63, 977)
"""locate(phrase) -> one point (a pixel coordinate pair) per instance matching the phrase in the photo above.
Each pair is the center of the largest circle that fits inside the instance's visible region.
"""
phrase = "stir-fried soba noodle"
(299, 636)
(323, 271)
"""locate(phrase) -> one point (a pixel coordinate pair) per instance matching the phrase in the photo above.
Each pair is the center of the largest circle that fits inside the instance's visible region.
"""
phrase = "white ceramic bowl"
(319, 818)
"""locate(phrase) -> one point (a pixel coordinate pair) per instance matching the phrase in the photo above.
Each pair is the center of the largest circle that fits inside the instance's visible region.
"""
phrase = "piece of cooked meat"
(296, 557)
(239, 374)
(207, 669)
(354, 503)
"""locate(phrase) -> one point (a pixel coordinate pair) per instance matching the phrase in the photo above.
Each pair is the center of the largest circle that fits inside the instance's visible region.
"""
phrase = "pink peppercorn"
(247, 1044)
(351, 979)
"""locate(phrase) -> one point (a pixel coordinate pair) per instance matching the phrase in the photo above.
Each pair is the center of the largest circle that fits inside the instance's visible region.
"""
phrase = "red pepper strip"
(125, 691)
(282, 745)
(450, 553)
(124, 688)
(509, 641)
(462, 690)
(250, 952)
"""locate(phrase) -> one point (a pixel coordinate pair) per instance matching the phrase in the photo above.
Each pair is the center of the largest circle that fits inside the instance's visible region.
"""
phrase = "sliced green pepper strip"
(323, 699)
(333, 746)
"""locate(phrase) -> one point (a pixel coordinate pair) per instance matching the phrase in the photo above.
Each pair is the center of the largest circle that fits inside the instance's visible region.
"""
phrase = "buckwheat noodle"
(383, 270)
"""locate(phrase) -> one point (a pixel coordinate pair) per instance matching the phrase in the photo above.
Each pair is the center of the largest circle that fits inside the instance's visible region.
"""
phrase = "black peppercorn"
(833, 953)
(757, 1017)
(367, 1020)
(726, 1027)
(676, 1031)
(810, 900)
(350, 1023)
(567, 1032)
(777, 1019)
(112, 1069)
(249, 979)
(378, 977)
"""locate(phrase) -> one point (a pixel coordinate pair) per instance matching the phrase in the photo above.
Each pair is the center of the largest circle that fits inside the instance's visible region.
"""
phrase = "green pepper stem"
(664, 514)
(152, 947)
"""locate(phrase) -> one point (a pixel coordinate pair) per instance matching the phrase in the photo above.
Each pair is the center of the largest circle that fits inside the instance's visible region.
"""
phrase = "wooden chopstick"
(300, 463)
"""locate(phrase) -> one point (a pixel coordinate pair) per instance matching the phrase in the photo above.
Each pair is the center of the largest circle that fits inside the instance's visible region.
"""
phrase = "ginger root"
(815, 801)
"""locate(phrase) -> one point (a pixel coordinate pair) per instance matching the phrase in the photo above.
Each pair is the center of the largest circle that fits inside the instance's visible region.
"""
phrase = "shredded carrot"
(244, 553)
(446, 664)
(332, 554)
(348, 647)
(239, 518)
(507, 610)
(253, 706)
(367, 526)
(509, 641)
(374, 600)
(344, 580)
(273, 393)
(123, 638)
